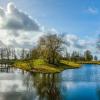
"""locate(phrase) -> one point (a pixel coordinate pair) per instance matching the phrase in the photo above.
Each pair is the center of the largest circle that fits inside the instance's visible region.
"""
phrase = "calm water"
(72, 84)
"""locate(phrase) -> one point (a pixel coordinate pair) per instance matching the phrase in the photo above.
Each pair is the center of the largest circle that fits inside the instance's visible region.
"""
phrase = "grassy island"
(51, 56)
(40, 65)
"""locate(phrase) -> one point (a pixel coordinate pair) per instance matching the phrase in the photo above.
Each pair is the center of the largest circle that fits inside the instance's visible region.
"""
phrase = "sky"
(22, 22)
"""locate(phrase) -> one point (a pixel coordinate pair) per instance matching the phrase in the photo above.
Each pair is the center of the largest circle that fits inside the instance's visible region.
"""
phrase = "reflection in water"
(4, 68)
(24, 86)
(11, 86)
(72, 84)
(46, 87)
(87, 73)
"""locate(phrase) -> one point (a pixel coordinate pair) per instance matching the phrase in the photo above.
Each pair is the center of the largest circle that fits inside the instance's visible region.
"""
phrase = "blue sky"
(69, 16)
(79, 19)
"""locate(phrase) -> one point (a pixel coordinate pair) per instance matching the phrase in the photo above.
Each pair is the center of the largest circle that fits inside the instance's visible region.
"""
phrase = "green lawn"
(40, 66)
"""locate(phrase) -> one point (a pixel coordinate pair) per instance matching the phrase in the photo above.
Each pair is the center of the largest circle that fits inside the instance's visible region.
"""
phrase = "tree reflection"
(45, 85)
(98, 90)
(47, 89)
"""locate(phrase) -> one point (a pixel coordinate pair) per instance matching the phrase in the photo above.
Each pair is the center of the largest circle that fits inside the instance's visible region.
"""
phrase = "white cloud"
(18, 29)
(71, 38)
(79, 44)
(14, 19)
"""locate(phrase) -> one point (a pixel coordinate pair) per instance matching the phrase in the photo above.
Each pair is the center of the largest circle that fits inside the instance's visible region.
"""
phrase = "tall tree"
(8, 53)
(50, 47)
(1, 53)
(88, 55)
(75, 56)
(67, 56)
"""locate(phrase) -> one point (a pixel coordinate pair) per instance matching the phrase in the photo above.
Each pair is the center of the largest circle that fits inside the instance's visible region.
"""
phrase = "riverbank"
(43, 67)
(89, 62)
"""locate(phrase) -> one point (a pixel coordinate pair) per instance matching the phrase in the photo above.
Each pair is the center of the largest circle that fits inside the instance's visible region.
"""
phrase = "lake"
(71, 84)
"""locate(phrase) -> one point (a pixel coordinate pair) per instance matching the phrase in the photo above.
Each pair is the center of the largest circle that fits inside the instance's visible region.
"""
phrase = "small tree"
(23, 54)
(95, 58)
(2, 53)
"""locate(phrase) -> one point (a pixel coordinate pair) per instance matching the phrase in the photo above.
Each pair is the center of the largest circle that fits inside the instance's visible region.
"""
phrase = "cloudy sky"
(22, 22)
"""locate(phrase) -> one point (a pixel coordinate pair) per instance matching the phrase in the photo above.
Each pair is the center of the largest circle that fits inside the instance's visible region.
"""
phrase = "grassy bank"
(43, 67)
(89, 62)
(70, 64)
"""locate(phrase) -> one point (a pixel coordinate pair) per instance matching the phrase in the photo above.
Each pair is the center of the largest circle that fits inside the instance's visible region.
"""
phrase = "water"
(71, 84)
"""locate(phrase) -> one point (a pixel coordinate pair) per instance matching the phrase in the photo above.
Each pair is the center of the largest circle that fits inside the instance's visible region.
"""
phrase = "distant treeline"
(8, 53)
(52, 48)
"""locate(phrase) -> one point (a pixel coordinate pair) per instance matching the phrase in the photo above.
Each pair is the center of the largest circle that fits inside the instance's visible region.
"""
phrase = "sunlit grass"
(89, 62)
(70, 64)
(37, 66)
(40, 65)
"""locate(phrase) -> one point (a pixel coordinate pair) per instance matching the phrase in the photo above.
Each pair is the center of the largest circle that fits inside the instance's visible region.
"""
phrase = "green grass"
(40, 65)
(70, 64)
(37, 66)
(89, 62)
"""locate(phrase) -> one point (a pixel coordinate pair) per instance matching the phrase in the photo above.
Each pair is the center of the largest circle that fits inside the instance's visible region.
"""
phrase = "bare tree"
(13, 54)
(50, 47)
(8, 53)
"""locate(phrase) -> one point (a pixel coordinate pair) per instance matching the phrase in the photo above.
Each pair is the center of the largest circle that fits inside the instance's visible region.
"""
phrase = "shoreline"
(89, 62)
(39, 66)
